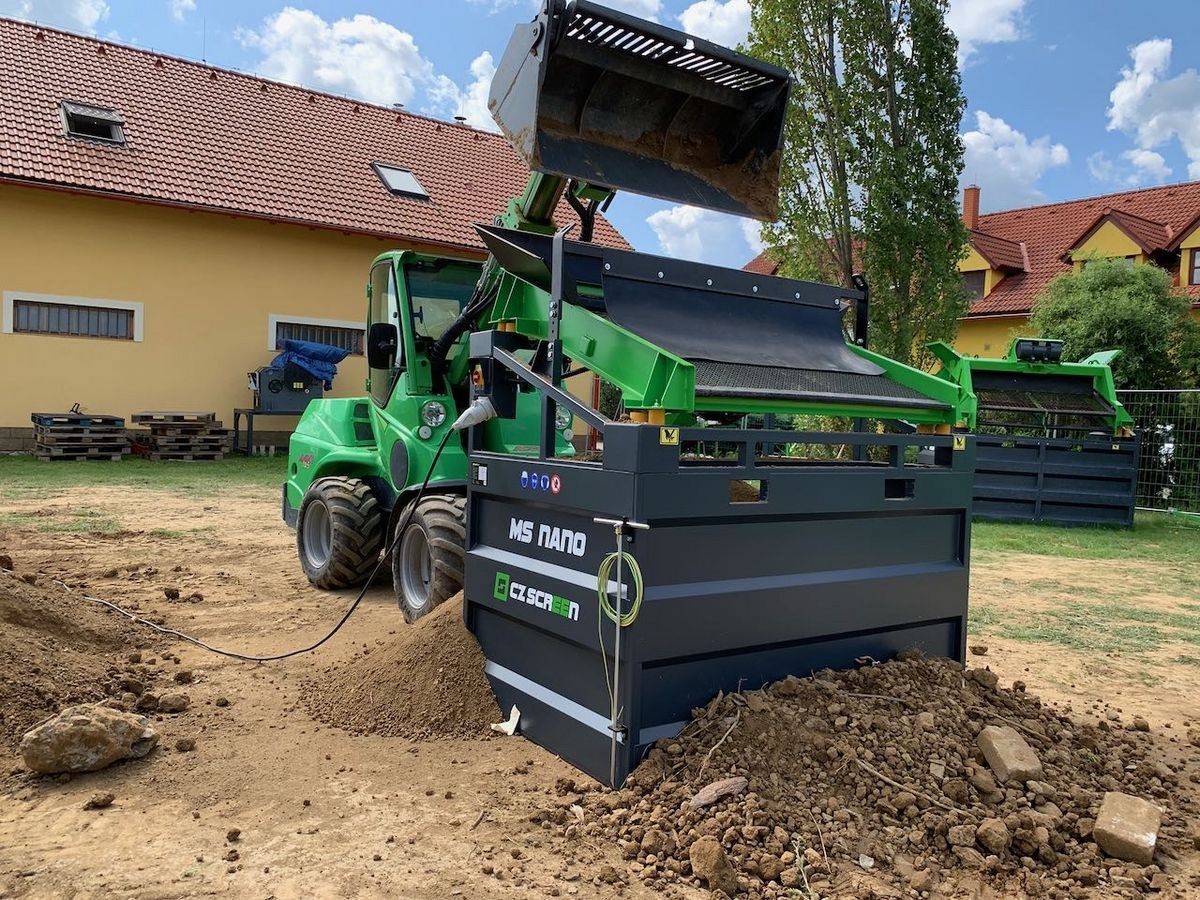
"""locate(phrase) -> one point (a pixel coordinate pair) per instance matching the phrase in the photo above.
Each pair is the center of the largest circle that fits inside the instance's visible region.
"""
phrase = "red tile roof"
(762, 265)
(1149, 215)
(1149, 235)
(1000, 252)
(210, 138)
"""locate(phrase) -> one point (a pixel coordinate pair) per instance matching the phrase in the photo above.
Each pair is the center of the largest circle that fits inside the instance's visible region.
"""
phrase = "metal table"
(248, 447)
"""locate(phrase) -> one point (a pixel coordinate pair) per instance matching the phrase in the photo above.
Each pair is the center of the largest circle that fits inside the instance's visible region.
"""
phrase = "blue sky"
(1066, 98)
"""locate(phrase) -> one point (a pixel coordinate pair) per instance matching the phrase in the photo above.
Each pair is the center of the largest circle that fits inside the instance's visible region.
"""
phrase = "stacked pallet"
(188, 436)
(72, 435)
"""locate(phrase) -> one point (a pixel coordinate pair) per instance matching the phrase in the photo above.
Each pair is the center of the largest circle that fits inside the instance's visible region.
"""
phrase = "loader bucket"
(594, 94)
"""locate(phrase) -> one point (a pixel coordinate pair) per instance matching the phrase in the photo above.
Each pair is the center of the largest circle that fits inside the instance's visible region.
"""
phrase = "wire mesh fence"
(1169, 471)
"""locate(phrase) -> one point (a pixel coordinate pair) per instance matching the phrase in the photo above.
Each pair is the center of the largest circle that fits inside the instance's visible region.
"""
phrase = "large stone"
(174, 702)
(1127, 828)
(710, 863)
(86, 738)
(993, 835)
(1008, 754)
(718, 790)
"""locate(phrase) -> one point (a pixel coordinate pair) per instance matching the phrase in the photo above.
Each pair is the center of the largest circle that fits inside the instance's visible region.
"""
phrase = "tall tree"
(872, 157)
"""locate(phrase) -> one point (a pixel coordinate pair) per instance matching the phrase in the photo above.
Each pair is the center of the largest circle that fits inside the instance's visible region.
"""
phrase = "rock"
(86, 738)
(6, 562)
(29, 578)
(979, 649)
(985, 677)
(961, 836)
(185, 745)
(654, 841)
(100, 801)
(922, 880)
(1127, 827)
(956, 789)
(221, 701)
(711, 793)
(969, 857)
(131, 685)
(993, 836)
(183, 676)
(148, 702)
(195, 597)
(171, 593)
(790, 878)
(984, 781)
(233, 834)
(1161, 882)
(710, 863)
(770, 868)
(174, 702)
(903, 801)
(1008, 754)
(1140, 724)
(926, 721)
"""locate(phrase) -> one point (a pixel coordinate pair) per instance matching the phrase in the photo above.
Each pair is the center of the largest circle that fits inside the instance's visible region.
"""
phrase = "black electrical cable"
(342, 621)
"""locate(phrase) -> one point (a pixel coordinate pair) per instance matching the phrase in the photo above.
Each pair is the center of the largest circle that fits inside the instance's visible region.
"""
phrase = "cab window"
(438, 291)
(385, 344)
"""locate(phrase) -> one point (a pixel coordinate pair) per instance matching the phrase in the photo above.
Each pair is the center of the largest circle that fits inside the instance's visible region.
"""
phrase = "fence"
(1169, 469)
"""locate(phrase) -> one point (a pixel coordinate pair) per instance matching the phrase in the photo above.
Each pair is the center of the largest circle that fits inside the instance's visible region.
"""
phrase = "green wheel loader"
(594, 101)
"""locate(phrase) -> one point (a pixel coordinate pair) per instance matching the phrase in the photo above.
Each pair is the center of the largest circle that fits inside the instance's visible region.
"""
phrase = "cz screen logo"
(506, 589)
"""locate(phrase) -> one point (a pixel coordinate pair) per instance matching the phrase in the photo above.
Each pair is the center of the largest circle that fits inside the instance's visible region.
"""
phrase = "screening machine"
(1053, 442)
(614, 591)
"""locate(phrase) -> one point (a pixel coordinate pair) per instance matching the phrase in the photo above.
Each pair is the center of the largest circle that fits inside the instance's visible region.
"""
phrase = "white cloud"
(82, 14)
(1156, 109)
(470, 102)
(1006, 164)
(979, 22)
(180, 9)
(360, 56)
(727, 24)
(1133, 168)
(702, 235)
(643, 9)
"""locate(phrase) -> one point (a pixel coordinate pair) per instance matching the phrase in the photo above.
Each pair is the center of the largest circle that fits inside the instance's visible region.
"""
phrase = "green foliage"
(1112, 306)
(872, 157)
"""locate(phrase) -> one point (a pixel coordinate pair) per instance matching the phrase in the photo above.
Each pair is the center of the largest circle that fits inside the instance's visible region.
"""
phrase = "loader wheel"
(427, 567)
(339, 532)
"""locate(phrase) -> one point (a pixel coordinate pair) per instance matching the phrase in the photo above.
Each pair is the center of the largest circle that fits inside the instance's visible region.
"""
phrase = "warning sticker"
(668, 437)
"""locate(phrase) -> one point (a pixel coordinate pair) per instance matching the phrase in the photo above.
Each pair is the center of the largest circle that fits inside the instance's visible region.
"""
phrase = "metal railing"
(1169, 469)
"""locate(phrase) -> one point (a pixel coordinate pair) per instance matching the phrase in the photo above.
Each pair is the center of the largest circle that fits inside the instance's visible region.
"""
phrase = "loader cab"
(411, 299)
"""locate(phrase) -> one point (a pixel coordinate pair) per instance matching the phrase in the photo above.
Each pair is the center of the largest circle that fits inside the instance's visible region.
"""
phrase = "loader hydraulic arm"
(533, 211)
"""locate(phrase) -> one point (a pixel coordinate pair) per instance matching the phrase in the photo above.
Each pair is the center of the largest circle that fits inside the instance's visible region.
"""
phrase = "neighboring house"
(1014, 254)
(164, 223)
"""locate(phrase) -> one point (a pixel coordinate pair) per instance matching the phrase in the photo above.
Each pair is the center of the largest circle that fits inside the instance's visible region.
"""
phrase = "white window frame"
(274, 319)
(7, 319)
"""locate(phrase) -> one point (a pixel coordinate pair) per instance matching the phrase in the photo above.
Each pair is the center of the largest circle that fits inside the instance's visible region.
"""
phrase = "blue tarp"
(319, 360)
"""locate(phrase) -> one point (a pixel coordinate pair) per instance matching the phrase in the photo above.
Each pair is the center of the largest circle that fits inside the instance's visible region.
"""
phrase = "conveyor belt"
(715, 379)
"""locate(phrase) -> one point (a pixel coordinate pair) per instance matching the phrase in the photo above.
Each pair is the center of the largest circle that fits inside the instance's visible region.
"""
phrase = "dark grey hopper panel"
(1064, 482)
(836, 562)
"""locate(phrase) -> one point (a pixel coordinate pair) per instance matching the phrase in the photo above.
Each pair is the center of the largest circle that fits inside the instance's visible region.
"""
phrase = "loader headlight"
(562, 419)
(433, 413)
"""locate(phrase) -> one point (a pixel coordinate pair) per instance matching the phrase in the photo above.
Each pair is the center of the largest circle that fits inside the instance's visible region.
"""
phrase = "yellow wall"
(207, 282)
(974, 262)
(1109, 242)
(990, 336)
(1189, 245)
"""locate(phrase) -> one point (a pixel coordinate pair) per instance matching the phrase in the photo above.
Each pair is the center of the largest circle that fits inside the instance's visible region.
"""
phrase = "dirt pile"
(56, 649)
(871, 782)
(425, 681)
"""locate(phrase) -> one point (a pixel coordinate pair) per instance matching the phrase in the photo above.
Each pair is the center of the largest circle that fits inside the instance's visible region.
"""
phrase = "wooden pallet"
(78, 429)
(187, 457)
(53, 439)
(182, 430)
(198, 441)
(174, 418)
(84, 420)
(54, 455)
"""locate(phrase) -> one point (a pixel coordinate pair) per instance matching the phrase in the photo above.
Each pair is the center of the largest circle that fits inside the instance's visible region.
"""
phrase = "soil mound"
(56, 649)
(428, 682)
(870, 782)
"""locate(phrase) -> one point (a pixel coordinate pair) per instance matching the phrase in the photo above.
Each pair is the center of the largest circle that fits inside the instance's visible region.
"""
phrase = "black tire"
(339, 532)
(427, 562)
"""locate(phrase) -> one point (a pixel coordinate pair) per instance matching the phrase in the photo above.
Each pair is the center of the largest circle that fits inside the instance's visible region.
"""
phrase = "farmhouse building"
(164, 224)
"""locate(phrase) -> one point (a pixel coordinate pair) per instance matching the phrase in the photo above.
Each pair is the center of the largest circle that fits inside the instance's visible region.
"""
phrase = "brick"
(1008, 754)
(1127, 828)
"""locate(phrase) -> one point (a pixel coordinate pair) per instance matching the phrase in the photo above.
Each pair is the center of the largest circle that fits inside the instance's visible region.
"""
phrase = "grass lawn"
(1156, 537)
(23, 477)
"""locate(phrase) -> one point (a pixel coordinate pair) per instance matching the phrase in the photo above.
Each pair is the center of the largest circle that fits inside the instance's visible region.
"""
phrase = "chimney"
(971, 206)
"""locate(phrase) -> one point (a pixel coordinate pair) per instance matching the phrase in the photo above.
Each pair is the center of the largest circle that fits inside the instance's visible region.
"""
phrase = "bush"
(1112, 306)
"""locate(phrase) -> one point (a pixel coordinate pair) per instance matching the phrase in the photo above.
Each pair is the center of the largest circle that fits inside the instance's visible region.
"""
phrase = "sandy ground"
(323, 813)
